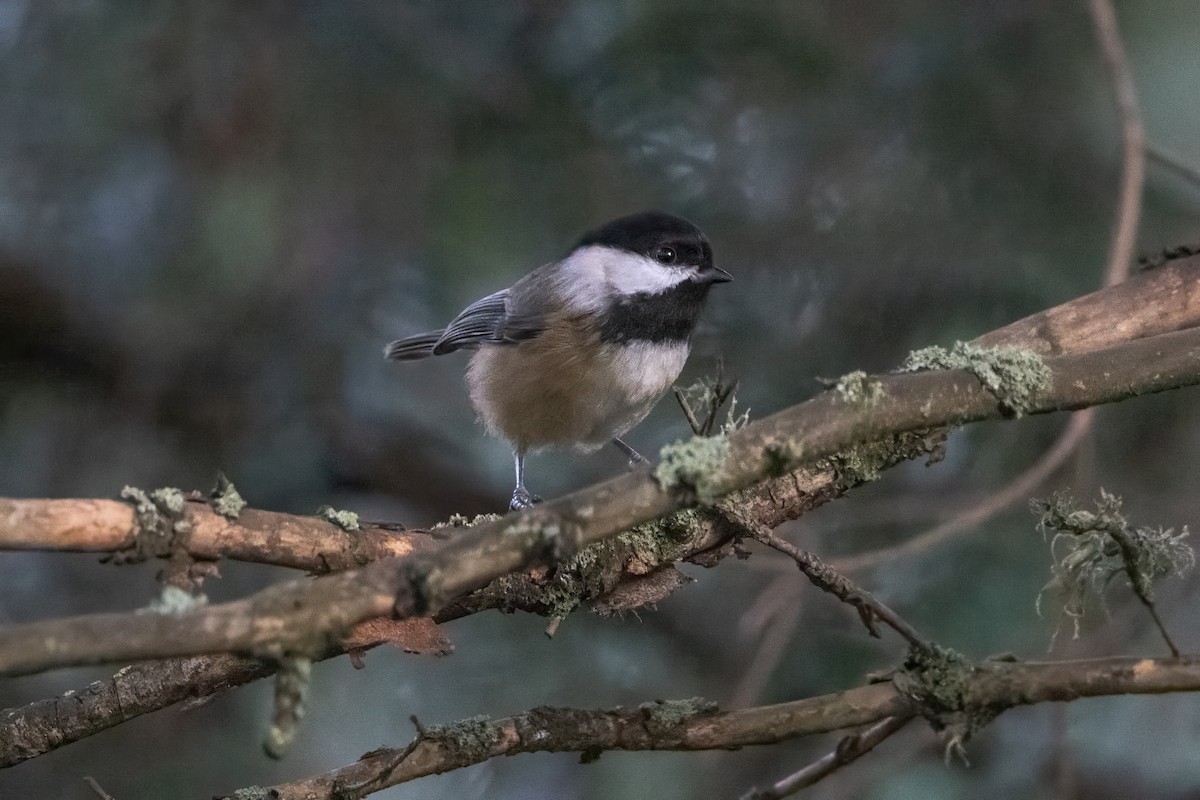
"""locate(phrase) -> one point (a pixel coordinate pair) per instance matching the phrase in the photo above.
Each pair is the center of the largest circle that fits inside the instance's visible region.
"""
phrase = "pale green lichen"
(595, 569)
(1013, 375)
(662, 715)
(780, 457)
(160, 516)
(174, 601)
(858, 389)
(462, 521)
(475, 736)
(225, 499)
(861, 464)
(254, 793)
(1090, 548)
(938, 679)
(346, 520)
(698, 462)
(292, 683)
(866, 462)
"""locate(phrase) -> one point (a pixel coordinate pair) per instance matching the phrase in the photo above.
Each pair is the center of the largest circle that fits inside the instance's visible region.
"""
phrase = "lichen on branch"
(1090, 548)
(1014, 375)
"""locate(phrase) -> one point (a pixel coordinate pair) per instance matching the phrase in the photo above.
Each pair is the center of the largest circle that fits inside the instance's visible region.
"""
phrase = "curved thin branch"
(1017, 491)
(995, 686)
(1133, 139)
(301, 616)
(848, 750)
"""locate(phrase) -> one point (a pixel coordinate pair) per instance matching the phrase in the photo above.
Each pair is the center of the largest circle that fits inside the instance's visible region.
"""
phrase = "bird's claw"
(522, 498)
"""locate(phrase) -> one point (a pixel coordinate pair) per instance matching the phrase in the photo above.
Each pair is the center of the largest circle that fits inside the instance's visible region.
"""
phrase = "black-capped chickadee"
(578, 351)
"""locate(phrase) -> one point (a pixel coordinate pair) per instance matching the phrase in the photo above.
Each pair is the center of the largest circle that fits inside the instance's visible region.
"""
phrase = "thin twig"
(1173, 162)
(830, 580)
(1017, 491)
(848, 749)
(1133, 140)
(1138, 582)
(95, 787)
(693, 423)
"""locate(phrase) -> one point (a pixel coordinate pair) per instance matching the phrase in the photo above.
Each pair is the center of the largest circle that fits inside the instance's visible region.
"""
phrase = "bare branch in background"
(696, 725)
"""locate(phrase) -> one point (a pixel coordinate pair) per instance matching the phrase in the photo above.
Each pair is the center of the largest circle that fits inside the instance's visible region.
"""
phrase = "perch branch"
(1157, 301)
(301, 616)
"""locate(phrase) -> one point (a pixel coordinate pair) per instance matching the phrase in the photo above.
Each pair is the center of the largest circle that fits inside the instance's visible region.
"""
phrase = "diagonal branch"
(301, 616)
(1164, 299)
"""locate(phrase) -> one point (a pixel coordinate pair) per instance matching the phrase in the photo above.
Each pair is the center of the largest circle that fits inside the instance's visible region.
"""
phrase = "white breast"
(644, 370)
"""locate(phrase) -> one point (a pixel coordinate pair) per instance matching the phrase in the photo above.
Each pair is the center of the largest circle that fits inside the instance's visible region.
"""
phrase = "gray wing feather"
(479, 322)
(412, 348)
(506, 317)
(489, 321)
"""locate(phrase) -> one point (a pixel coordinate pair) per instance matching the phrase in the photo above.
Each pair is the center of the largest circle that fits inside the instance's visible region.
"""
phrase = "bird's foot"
(523, 498)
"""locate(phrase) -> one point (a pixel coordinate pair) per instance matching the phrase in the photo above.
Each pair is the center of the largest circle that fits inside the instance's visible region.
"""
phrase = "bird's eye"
(665, 255)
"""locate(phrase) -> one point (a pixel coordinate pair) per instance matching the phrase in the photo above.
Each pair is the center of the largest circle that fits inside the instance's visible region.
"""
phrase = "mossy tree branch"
(302, 616)
(1163, 299)
(691, 725)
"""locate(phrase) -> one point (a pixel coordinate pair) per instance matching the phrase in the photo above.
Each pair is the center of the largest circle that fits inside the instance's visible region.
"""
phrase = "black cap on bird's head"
(666, 239)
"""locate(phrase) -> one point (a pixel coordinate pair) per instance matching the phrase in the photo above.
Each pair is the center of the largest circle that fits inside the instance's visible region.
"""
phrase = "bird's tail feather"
(412, 348)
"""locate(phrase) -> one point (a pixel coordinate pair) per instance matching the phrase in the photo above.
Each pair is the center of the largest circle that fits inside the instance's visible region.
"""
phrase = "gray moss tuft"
(174, 601)
(475, 736)
(698, 462)
(1090, 548)
(1014, 375)
(225, 499)
(857, 389)
(665, 714)
(938, 679)
(461, 521)
(160, 516)
(346, 520)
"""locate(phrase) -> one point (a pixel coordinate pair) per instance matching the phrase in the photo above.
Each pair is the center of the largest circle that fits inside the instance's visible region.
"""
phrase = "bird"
(578, 351)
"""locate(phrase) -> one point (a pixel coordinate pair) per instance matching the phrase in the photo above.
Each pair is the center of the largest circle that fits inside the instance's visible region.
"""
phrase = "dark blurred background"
(213, 216)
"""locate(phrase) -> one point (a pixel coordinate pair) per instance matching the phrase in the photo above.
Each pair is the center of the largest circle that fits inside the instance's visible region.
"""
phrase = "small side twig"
(95, 787)
(710, 394)
(830, 580)
(1174, 163)
(380, 780)
(848, 749)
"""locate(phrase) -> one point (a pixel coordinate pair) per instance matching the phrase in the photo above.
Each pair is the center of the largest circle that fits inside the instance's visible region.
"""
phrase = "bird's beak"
(711, 274)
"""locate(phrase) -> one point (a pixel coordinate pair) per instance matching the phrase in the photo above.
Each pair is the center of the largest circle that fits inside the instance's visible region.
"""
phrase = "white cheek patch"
(592, 275)
(634, 274)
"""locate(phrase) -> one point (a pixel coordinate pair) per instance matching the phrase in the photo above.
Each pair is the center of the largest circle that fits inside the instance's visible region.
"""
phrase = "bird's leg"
(635, 458)
(521, 497)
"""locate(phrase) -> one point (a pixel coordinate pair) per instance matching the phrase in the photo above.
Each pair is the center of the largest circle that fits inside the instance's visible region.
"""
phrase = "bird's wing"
(412, 348)
(492, 320)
